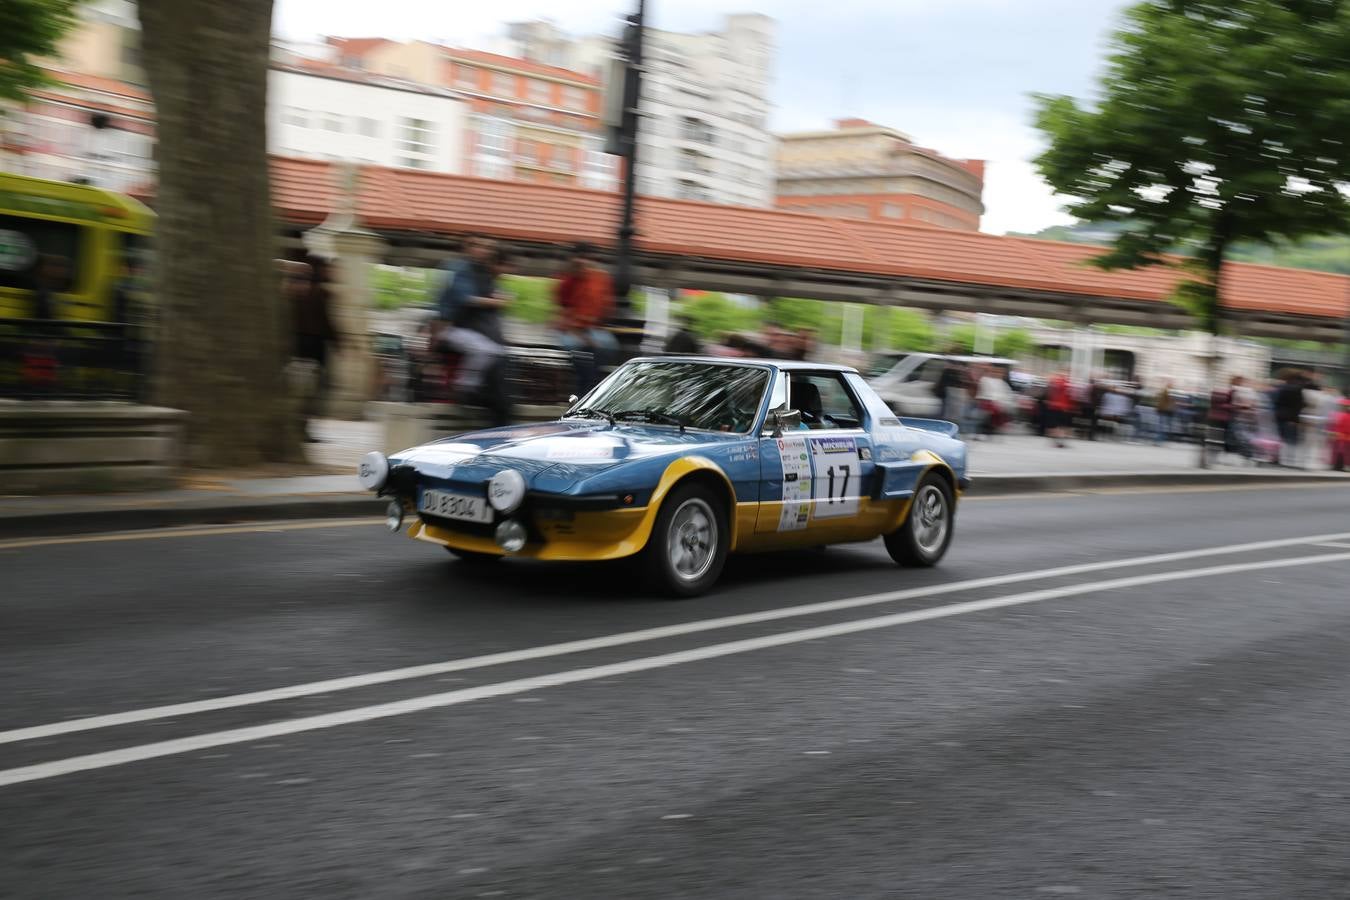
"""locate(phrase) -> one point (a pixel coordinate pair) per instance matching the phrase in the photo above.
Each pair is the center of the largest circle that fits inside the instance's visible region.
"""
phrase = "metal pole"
(1345, 348)
(628, 144)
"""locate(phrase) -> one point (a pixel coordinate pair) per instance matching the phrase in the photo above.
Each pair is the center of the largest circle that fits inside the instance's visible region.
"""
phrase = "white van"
(906, 380)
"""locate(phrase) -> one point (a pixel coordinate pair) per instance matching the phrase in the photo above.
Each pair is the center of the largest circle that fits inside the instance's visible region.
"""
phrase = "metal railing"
(44, 359)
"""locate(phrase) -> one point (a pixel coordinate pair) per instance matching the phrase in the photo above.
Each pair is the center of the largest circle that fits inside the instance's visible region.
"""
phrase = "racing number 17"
(842, 477)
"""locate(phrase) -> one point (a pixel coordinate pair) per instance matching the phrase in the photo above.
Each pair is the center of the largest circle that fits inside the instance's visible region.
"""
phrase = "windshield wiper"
(650, 415)
(587, 412)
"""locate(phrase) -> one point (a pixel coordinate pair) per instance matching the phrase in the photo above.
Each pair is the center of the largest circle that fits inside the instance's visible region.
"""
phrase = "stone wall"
(87, 447)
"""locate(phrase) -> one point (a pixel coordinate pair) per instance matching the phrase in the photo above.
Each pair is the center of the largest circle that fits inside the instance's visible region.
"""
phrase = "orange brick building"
(528, 121)
(864, 171)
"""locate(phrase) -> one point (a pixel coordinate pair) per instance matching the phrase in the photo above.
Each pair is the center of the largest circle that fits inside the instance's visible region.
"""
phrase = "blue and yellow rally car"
(679, 461)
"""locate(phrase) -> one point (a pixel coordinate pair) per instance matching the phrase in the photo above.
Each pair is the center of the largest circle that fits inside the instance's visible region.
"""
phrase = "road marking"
(163, 533)
(211, 740)
(351, 682)
(1341, 546)
(1068, 493)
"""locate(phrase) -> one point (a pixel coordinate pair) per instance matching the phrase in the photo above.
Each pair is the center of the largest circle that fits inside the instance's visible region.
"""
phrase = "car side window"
(824, 401)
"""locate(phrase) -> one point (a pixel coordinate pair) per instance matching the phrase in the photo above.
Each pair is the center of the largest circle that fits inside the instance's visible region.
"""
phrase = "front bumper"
(582, 536)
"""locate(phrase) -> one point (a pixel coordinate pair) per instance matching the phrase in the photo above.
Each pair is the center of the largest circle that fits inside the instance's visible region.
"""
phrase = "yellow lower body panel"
(612, 534)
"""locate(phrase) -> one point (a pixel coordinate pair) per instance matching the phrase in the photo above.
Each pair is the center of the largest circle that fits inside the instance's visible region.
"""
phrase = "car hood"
(576, 449)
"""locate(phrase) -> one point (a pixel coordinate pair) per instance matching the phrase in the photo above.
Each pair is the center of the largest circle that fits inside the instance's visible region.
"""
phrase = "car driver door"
(815, 474)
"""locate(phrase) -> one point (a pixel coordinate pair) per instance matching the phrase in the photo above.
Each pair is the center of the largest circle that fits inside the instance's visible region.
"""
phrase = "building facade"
(866, 171)
(525, 120)
(322, 111)
(705, 104)
(81, 128)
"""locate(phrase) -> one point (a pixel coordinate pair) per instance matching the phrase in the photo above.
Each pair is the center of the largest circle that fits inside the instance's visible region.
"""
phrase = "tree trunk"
(224, 338)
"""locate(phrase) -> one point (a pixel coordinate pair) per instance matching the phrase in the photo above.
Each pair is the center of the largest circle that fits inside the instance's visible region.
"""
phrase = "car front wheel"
(688, 544)
(922, 539)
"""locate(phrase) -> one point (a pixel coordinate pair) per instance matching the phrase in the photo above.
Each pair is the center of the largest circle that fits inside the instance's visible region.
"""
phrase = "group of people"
(1296, 422)
(977, 396)
(773, 341)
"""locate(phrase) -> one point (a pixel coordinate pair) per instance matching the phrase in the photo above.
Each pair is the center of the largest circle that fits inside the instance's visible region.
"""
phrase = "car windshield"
(883, 363)
(690, 394)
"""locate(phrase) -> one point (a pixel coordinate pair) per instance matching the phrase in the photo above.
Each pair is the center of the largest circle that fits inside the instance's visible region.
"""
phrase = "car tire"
(472, 556)
(688, 544)
(923, 537)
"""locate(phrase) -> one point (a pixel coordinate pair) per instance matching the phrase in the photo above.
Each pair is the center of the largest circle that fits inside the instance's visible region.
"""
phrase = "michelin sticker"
(838, 481)
(796, 463)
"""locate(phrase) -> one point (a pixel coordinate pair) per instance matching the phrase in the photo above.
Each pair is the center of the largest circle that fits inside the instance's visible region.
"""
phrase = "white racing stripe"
(350, 682)
(524, 685)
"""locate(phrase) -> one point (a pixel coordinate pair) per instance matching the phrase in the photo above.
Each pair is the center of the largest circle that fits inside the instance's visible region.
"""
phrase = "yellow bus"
(94, 235)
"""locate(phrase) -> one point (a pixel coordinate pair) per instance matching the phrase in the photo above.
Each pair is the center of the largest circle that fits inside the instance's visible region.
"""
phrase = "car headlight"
(506, 490)
(373, 471)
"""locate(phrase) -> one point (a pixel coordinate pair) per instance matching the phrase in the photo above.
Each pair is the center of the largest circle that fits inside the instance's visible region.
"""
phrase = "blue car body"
(593, 488)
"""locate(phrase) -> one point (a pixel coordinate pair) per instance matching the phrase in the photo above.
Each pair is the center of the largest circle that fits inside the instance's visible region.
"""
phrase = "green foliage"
(394, 287)
(533, 300)
(29, 31)
(1221, 122)
(714, 315)
(1015, 343)
(908, 329)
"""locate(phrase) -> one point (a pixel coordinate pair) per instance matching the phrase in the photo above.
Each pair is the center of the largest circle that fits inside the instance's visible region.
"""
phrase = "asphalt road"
(1000, 727)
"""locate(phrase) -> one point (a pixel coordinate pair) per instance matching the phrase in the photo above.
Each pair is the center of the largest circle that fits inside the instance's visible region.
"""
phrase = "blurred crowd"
(1296, 420)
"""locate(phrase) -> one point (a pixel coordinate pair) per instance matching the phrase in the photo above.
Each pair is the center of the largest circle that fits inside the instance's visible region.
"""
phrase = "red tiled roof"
(355, 46)
(526, 66)
(404, 199)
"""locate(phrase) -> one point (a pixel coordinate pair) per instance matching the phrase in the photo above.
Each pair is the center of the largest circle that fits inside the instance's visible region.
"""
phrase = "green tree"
(714, 315)
(395, 287)
(29, 31)
(1219, 122)
(224, 335)
(533, 300)
(909, 329)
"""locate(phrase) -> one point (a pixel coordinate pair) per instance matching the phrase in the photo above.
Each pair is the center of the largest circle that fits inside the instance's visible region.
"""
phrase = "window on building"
(466, 77)
(503, 84)
(413, 162)
(574, 98)
(417, 136)
(527, 151)
(494, 139)
(540, 91)
(332, 122)
(368, 127)
(295, 116)
(692, 129)
(561, 158)
(600, 170)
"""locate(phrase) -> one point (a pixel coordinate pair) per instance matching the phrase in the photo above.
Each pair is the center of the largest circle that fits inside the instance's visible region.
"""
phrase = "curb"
(235, 510)
(1003, 485)
(227, 511)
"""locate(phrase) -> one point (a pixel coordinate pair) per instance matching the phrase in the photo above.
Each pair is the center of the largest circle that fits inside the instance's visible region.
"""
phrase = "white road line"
(1341, 546)
(350, 682)
(591, 673)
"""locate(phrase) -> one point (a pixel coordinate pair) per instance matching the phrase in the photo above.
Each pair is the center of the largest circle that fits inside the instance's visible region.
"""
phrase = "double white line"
(712, 651)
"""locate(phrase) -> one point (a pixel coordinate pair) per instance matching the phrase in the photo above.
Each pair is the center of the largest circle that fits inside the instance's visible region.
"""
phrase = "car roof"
(787, 365)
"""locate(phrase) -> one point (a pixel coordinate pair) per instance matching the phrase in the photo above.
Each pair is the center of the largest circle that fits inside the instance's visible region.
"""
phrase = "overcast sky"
(953, 74)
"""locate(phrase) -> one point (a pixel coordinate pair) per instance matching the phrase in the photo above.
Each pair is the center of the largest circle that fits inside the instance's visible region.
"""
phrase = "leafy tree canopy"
(29, 31)
(1219, 122)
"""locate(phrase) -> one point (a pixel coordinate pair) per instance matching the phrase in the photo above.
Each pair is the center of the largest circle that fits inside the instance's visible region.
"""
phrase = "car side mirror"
(789, 419)
(572, 399)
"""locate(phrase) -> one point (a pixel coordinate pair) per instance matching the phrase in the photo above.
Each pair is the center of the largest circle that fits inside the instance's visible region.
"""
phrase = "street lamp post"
(627, 141)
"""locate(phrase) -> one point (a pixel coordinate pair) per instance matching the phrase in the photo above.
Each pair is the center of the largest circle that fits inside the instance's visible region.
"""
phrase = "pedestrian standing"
(952, 391)
(685, 341)
(1165, 405)
(1339, 436)
(1059, 406)
(306, 285)
(1289, 404)
(585, 298)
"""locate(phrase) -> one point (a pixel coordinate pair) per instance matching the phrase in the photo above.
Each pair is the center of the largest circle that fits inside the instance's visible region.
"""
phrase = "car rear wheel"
(472, 556)
(688, 544)
(922, 539)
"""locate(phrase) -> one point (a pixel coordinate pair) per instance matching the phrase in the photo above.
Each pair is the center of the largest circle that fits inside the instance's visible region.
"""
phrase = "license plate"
(454, 506)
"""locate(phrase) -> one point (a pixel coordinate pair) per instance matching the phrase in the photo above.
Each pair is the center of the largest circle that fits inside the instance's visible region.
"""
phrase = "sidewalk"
(1007, 465)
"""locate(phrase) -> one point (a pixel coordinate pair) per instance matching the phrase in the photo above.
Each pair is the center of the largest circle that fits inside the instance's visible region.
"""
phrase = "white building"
(325, 112)
(705, 104)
